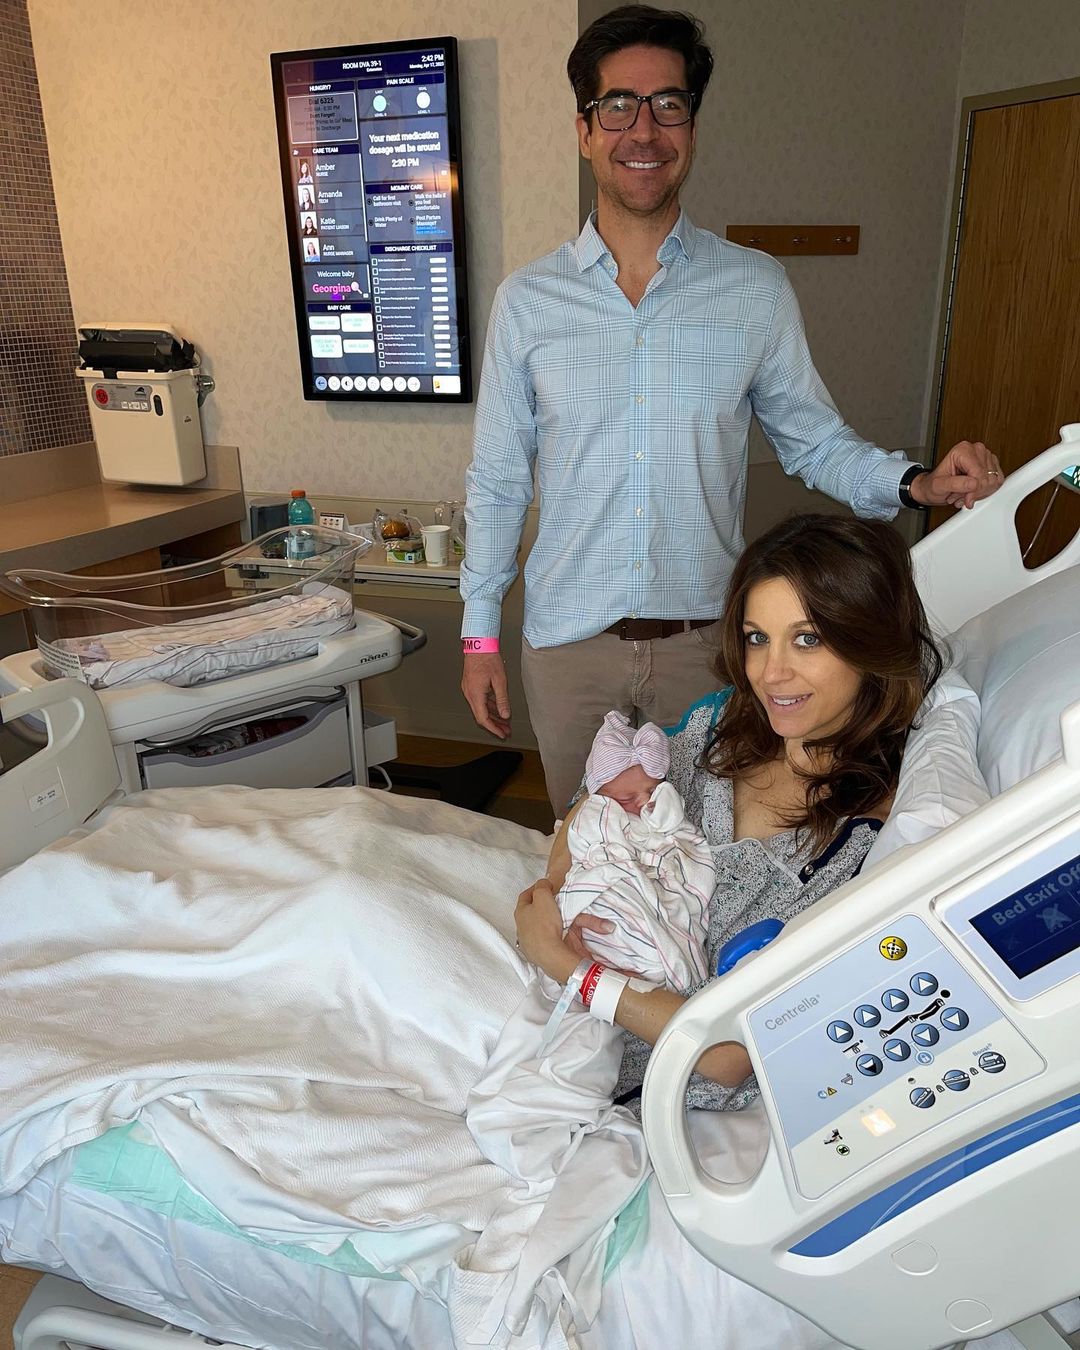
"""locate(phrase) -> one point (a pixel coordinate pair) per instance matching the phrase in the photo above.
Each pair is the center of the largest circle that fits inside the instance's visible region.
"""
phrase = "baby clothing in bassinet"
(208, 647)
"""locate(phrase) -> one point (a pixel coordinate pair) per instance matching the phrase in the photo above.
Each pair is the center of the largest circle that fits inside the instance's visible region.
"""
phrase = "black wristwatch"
(903, 488)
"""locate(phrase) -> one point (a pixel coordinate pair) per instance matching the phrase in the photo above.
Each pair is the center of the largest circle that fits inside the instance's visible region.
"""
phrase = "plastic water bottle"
(301, 516)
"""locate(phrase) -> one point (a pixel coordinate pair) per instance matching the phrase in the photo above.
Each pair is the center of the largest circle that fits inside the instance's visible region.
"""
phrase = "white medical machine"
(144, 388)
(915, 1039)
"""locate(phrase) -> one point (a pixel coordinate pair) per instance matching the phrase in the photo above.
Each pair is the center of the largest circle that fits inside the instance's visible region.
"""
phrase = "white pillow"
(1022, 658)
(940, 779)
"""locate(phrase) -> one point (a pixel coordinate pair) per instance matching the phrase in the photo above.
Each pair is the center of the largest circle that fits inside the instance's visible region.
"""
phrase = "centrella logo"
(789, 1014)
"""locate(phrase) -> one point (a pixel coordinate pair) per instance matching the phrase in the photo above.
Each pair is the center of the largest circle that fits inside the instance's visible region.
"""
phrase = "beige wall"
(160, 123)
(1008, 45)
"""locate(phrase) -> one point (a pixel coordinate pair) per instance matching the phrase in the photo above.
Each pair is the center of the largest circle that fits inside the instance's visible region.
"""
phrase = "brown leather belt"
(645, 630)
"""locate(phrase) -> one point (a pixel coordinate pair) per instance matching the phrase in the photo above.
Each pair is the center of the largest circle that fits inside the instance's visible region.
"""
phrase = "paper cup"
(436, 545)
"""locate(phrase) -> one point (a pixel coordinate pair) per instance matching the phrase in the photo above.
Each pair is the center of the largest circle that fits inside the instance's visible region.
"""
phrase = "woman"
(789, 770)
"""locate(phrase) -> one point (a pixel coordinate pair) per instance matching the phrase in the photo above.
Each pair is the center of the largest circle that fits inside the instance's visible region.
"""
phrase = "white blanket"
(311, 980)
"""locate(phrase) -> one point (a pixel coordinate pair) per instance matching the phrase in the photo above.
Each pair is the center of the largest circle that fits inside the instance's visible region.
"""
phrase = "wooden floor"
(522, 798)
(15, 1286)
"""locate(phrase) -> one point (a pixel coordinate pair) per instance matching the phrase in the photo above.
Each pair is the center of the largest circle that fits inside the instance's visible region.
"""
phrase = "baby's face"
(631, 789)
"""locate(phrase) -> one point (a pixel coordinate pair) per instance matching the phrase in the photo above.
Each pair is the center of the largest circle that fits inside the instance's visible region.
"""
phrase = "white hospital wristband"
(567, 997)
(606, 995)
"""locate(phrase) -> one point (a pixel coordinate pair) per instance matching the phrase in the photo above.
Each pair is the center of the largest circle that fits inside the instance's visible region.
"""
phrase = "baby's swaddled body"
(652, 876)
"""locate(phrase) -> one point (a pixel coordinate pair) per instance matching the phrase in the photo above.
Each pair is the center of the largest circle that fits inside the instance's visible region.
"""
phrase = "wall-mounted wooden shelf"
(790, 241)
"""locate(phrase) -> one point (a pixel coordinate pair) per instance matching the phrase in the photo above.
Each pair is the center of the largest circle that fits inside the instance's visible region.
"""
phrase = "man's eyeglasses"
(619, 112)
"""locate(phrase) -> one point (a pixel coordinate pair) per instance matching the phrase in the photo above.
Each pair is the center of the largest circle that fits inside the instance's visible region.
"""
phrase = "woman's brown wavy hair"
(854, 578)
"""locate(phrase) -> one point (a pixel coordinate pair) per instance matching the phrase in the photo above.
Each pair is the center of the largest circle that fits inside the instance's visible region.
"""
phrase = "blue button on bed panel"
(925, 1034)
(867, 1015)
(939, 1176)
(840, 1032)
(923, 984)
(896, 1048)
(750, 939)
(954, 1019)
(895, 1000)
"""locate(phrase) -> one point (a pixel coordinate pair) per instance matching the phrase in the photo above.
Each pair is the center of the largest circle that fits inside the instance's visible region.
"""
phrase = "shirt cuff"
(889, 475)
(481, 619)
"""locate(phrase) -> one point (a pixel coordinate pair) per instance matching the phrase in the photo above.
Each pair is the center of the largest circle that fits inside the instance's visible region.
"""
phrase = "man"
(623, 369)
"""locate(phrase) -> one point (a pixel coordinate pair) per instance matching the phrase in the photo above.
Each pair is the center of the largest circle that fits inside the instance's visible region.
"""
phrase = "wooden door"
(1011, 373)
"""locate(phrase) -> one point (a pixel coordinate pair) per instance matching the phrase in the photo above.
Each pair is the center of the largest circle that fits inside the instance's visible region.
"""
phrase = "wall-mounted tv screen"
(370, 142)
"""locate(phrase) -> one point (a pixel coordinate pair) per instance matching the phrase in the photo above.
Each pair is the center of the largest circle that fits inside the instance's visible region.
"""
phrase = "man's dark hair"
(633, 26)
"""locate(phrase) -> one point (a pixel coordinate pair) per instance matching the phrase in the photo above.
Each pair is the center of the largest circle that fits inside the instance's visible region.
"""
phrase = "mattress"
(118, 1238)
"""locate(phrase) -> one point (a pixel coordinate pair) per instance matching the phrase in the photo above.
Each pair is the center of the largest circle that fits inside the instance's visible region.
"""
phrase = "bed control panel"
(877, 1046)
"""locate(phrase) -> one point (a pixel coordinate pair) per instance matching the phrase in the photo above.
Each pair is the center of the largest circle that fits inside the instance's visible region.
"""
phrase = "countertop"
(63, 531)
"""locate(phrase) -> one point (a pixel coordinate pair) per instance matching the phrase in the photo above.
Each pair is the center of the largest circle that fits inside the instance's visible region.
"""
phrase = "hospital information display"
(371, 167)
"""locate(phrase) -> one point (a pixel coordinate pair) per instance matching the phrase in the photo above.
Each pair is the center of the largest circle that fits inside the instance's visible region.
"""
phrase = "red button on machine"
(102, 396)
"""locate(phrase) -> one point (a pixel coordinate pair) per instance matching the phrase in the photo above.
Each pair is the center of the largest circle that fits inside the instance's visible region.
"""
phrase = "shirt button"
(640, 398)
(637, 510)
(634, 615)
(640, 454)
(639, 341)
(637, 567)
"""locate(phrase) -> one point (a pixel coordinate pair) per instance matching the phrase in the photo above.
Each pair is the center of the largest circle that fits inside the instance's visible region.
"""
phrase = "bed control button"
(895, 1000)
(839, 1032)
(869, 1065)
(991, 1062)
(954, 1019)
(867, 1015)
(923, 984)
(967, 1315)
(956, 1080)
(925, 1034)
(922, 1097)
(916, 1258)
(896, 1048)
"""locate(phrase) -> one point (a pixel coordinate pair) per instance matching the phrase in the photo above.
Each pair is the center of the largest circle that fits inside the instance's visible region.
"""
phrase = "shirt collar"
(589, 247)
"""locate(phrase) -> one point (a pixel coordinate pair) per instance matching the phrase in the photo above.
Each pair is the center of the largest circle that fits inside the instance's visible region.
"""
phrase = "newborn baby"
(637, 861)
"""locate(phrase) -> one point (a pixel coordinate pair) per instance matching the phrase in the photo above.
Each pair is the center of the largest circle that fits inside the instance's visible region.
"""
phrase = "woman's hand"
(540, 932)
(575, 934)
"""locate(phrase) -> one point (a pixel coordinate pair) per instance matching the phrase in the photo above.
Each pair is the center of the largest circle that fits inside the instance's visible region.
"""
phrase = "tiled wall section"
(42, 404)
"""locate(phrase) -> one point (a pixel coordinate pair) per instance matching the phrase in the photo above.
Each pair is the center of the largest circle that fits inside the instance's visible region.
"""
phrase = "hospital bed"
(113, 1215)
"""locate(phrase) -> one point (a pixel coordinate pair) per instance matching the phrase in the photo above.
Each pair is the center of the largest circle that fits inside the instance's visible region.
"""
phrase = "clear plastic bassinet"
(187, 625)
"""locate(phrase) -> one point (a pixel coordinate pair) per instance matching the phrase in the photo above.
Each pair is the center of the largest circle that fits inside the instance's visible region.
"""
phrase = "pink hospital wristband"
(479, 645)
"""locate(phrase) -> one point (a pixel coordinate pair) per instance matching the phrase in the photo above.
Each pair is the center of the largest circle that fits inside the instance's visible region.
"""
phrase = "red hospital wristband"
(479, 645)
(589, 983)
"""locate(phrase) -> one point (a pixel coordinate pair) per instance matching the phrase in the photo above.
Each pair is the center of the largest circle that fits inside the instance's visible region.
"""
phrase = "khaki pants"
(571, 687)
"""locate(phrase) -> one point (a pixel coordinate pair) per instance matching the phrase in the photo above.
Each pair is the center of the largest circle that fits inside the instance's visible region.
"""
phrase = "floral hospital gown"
(755, 879)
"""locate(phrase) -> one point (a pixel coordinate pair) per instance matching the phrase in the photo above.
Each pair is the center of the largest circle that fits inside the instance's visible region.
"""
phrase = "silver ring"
(993, 473)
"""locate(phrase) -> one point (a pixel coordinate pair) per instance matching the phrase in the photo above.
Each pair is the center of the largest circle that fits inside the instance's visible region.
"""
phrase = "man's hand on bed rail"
(964, 476)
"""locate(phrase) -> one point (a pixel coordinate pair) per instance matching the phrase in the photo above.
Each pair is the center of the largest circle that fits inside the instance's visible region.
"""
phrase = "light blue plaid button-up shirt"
(635, 422)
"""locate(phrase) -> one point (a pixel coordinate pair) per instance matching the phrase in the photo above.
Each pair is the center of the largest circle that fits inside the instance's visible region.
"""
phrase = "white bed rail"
(63, 784)
(974, 560)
